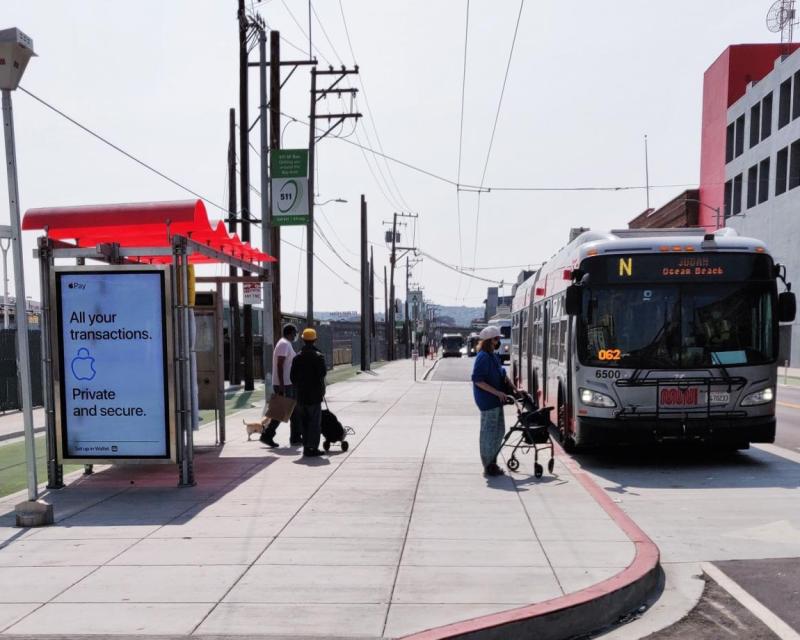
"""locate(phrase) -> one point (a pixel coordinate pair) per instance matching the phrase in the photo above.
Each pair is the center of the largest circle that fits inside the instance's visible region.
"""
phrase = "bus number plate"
(678, 397)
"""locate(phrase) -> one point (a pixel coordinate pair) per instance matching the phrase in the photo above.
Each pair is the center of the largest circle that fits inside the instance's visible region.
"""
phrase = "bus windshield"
(678, 325)
(505, 331)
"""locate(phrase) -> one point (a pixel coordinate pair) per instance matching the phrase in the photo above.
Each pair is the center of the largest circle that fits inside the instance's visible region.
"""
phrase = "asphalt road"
(453, 369)
(736, 510)
(788, 411)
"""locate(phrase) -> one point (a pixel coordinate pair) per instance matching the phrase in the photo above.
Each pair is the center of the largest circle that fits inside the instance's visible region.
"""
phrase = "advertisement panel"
(113, 346)
(290, 199)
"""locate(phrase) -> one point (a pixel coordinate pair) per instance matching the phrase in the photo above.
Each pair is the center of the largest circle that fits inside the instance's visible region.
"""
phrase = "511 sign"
(289, 186)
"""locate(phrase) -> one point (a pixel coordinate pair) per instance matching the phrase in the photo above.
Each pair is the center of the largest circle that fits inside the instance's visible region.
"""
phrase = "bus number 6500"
(607, 373)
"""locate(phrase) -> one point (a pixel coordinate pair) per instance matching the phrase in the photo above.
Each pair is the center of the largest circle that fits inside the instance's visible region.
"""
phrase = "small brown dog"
(254, 427)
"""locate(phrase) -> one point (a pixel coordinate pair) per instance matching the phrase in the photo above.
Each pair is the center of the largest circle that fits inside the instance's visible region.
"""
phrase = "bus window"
(554, 334)
(562, 354)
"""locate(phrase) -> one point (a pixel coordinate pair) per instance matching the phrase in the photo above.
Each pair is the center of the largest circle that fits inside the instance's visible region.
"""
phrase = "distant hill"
(462, 316)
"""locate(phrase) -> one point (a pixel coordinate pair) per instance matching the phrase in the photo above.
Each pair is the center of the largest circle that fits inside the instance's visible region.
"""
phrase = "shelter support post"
(220, 365)
(55, 471)
(183, 378)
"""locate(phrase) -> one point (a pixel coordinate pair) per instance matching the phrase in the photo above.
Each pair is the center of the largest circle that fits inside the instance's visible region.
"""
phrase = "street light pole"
(23, 350)
(4, 247)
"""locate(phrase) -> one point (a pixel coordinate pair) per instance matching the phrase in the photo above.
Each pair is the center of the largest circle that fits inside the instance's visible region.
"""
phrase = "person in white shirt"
(282, 357)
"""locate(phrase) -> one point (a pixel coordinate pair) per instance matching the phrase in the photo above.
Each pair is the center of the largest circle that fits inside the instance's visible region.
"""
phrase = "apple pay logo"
(76, 285)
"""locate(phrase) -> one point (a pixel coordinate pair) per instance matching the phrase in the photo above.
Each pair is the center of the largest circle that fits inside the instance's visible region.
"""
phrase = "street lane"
(788, 413)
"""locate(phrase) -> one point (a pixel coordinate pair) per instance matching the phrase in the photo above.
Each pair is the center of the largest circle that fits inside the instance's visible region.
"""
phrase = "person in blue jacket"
(489, 386)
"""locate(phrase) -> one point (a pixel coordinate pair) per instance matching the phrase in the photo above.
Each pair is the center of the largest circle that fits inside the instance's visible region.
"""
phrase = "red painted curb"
(644, 564)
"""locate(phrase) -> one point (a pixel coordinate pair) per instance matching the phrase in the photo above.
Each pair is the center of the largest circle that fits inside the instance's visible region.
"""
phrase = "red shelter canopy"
(145, 224)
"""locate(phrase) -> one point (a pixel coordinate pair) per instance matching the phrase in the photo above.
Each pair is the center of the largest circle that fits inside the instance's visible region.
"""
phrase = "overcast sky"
(587, 81)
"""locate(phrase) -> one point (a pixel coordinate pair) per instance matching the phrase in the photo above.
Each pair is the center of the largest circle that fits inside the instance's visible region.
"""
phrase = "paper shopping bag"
(280, 408)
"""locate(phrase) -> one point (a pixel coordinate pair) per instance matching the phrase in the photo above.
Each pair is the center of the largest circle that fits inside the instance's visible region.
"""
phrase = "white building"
(762, 172)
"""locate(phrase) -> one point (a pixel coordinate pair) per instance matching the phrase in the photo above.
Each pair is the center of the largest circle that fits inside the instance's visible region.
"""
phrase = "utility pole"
(365, 356)
(310, 228)
(267, 325)
(275, 143)
(235, 373)
(338, 118)
(244, 183)
(392, 262)
(406, 327)
(371, 302)
(387, 334)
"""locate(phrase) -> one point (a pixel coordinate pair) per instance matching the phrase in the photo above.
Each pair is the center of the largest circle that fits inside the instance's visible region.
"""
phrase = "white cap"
(490, 332)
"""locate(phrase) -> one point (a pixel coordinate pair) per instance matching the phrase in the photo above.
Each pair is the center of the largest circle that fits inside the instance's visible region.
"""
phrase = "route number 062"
(609, 354)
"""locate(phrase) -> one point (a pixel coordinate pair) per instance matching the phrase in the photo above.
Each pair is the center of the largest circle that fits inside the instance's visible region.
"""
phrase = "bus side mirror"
(787, 307)
(574, 300)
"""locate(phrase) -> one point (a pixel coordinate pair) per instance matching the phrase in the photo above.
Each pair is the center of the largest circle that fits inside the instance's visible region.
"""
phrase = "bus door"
(546, 311)
(531, 331)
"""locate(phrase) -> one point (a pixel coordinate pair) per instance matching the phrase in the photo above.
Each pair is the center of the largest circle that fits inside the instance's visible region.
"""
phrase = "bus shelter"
(117, 328)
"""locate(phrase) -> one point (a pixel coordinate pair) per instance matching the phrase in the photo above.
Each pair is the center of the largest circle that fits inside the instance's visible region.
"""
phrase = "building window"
(794, 164)
(755, 124)
(727, 206)
(739, 135)
(752, 184)
(785, 103)
(763, 180)
(766, 116)
(737, 195)
(729, 142)
(796, 96)
(781, 165)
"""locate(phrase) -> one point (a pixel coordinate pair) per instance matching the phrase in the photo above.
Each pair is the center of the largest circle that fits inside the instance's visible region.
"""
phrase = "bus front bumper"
(598, 431)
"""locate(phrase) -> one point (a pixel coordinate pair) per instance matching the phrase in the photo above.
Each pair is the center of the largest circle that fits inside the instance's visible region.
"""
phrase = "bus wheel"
(567, 440)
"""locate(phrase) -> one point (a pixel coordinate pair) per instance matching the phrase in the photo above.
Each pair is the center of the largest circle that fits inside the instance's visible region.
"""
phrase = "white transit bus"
(504, 324)
(653, 335)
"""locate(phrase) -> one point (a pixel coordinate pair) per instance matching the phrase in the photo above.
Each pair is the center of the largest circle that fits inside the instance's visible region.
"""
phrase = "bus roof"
(555, 273)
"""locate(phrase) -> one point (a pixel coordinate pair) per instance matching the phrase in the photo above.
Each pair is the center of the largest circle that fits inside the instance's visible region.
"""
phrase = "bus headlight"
(596, 399)
(506, 348)
(759, 397)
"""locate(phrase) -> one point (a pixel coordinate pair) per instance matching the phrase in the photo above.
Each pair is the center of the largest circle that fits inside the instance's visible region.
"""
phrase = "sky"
(586, 82)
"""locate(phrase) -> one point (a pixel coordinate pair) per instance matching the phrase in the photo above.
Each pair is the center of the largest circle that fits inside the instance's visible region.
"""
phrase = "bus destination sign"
(703, 267)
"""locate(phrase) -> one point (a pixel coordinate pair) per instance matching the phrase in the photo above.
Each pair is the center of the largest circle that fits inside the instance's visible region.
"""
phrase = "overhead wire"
(494, 131)
(119, 149)
(461, 146)
(373, 122)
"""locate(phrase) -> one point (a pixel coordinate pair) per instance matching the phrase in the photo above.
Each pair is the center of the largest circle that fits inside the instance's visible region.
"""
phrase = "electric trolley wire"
(494, 131)
(461, 145)
(122, 151)
(457, 269)
(372, 120)
(163, 175)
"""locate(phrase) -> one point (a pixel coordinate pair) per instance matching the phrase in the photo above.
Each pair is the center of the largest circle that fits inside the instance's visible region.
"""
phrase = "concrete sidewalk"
(400, 534)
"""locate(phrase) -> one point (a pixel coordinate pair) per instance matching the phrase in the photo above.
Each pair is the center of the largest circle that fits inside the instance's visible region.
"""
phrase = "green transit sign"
(290, 200)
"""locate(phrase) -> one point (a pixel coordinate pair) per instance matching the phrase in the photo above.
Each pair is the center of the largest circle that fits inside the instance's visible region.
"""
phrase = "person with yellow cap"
(308, 377)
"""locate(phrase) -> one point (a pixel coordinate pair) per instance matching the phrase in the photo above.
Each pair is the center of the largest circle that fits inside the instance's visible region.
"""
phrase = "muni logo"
(626, 267)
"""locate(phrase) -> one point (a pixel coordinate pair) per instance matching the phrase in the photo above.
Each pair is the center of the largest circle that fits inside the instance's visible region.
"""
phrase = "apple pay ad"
(113, 364)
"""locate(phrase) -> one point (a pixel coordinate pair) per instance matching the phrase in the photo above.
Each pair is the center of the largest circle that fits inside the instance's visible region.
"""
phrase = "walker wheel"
(551, 464)
(538, 470)
(326, 445)
(345, 445)
(512, 464)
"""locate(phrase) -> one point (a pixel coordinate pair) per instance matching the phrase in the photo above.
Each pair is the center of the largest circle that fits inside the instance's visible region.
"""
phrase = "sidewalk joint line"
(411, 513)
(293, 516)
(536, 534)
